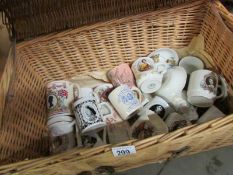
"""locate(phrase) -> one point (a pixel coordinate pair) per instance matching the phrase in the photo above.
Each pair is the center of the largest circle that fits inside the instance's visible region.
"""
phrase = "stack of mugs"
(158, 88)
(61, 124)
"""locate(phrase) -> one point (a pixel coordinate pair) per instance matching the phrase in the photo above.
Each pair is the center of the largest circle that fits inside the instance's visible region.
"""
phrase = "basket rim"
(65, 33)
(179, 134)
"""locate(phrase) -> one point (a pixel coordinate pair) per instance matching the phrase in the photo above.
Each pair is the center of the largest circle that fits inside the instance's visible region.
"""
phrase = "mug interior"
(191, 64)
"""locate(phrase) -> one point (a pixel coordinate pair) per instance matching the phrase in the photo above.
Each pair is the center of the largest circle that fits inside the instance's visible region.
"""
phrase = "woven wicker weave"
(102, 46)
(30, 18)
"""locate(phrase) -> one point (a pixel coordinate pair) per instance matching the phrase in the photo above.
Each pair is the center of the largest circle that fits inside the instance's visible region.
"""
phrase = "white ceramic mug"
(171, 90)
(159, 106)
(102, 91)
(203, 88)
(124, 101)
(88, 115)
(176, 121)
(60, 95)
(109, 114)
(148, 80)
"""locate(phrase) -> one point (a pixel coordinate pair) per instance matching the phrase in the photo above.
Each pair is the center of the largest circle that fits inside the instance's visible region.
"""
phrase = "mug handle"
(76, 89)
(223, 87)
(107, 105)
(138, 92)
(97, 98)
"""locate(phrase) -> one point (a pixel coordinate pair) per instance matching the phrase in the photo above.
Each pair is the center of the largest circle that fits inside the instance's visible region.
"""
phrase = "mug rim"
(57, 119)
(80, 100)
(190, 58)
(58, 81)
(175, 54)
(203, 70)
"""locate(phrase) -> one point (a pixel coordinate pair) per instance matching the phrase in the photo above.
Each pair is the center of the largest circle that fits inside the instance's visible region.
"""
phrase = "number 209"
(123, 152)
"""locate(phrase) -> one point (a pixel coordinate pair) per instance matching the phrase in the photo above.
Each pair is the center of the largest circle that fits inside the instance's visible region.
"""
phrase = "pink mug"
(120, 75)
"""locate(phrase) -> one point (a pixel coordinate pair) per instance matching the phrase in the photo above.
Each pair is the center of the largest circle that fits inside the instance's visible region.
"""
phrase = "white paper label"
(123, 151)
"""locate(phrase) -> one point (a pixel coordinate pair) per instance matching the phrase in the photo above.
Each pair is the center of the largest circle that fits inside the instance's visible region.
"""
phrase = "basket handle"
(225, 14)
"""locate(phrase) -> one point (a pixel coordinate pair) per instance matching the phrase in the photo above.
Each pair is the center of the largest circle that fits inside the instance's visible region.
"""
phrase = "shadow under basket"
(103, 46)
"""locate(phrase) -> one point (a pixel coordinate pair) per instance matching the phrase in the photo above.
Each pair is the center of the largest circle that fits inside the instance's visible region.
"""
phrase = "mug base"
(150, 86)
(95, 126)
(200, 101)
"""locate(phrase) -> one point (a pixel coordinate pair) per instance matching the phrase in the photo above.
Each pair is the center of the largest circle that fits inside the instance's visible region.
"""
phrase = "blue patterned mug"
(124, 101)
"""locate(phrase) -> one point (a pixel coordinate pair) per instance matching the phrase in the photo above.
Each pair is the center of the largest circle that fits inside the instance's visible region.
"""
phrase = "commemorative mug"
(124, 101)
(176, 121)
(203, 88)
(109, 114)
(87, 114)
(148, 80)
(121, 74)
(60, 95)
(159, 106)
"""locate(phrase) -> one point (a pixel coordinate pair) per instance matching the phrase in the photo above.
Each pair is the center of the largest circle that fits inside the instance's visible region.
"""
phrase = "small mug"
(159, 106)
(176, 121)
(60, 95)
(109, 115)
(101, 93)
(62, 143)
(148, 80)
(142, 129)
(203, 88)
(121, 74)
(124, 101)
(87, 114)
(94, 139)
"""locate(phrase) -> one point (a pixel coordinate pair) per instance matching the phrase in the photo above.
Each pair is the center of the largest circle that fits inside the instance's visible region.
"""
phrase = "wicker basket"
(103, 46)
